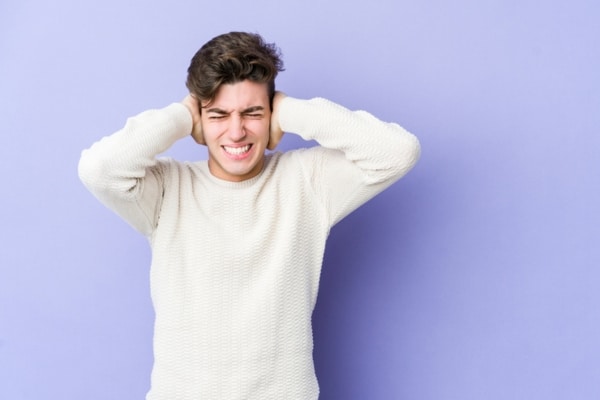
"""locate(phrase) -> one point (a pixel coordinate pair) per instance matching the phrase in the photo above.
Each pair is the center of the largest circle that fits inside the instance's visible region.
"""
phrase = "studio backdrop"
(474, 277)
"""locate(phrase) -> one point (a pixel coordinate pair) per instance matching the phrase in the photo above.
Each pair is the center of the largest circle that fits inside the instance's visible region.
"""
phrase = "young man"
(238, 240)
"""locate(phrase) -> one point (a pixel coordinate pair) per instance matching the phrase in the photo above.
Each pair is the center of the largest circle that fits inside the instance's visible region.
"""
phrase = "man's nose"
(237, 131)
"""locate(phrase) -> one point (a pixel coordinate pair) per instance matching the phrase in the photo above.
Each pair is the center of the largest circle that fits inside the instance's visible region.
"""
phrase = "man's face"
(236, 130)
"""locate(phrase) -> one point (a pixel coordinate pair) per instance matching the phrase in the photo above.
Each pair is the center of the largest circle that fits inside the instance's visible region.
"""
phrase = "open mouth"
(237, 151)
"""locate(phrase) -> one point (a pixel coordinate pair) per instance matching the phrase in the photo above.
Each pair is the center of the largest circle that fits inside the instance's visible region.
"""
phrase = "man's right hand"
(193, 105)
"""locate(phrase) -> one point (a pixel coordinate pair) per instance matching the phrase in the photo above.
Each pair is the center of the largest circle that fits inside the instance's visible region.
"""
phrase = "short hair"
(230, 58)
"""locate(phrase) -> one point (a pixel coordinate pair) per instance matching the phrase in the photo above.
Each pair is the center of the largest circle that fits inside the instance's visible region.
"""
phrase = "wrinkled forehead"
(239, 96)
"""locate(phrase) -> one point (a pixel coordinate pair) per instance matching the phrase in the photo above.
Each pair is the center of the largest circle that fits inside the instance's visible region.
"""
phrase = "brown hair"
(230, 58)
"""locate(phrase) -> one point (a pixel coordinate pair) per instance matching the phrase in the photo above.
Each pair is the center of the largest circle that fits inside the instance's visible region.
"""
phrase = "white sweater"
(235, 266)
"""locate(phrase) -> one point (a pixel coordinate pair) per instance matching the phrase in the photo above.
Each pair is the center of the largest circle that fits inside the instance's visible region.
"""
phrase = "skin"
(236, 127)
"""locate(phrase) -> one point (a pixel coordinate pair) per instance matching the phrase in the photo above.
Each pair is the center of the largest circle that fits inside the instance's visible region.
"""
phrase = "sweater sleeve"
(358, 157)
(122, 171)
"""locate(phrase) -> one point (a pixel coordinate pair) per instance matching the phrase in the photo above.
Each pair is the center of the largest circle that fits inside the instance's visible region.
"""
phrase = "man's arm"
(359, 156)
(120, 170)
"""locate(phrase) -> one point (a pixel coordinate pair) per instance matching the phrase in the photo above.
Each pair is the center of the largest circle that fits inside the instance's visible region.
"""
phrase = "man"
(238, 240)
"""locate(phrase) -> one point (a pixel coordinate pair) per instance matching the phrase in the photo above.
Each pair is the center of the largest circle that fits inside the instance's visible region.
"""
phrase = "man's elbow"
(91, 171)
(407, 154)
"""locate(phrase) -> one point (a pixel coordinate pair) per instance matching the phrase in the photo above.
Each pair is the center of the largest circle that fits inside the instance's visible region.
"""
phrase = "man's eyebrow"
(217, 111)
(253, 109)
(248, 110)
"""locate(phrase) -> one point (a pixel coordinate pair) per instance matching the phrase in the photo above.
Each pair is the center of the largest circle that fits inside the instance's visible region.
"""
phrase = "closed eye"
(256, 112)
(253, 112)
(216, 113)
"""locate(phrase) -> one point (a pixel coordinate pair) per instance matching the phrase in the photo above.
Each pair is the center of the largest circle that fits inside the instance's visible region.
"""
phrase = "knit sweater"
(236, 265)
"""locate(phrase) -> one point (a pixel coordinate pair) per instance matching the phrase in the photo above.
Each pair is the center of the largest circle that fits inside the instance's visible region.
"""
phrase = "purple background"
(475, 277)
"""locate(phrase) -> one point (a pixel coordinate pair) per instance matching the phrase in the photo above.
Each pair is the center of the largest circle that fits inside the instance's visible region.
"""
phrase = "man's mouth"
(237, 151)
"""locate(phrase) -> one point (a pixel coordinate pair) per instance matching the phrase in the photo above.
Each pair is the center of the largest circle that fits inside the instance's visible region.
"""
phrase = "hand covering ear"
(193, 105)
(275, 132)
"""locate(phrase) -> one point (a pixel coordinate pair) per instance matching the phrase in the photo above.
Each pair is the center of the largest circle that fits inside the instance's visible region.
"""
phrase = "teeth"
(237, 150)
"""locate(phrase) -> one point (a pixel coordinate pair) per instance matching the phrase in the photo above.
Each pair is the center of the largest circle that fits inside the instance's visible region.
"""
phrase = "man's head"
(230, 58)
(233, 79)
